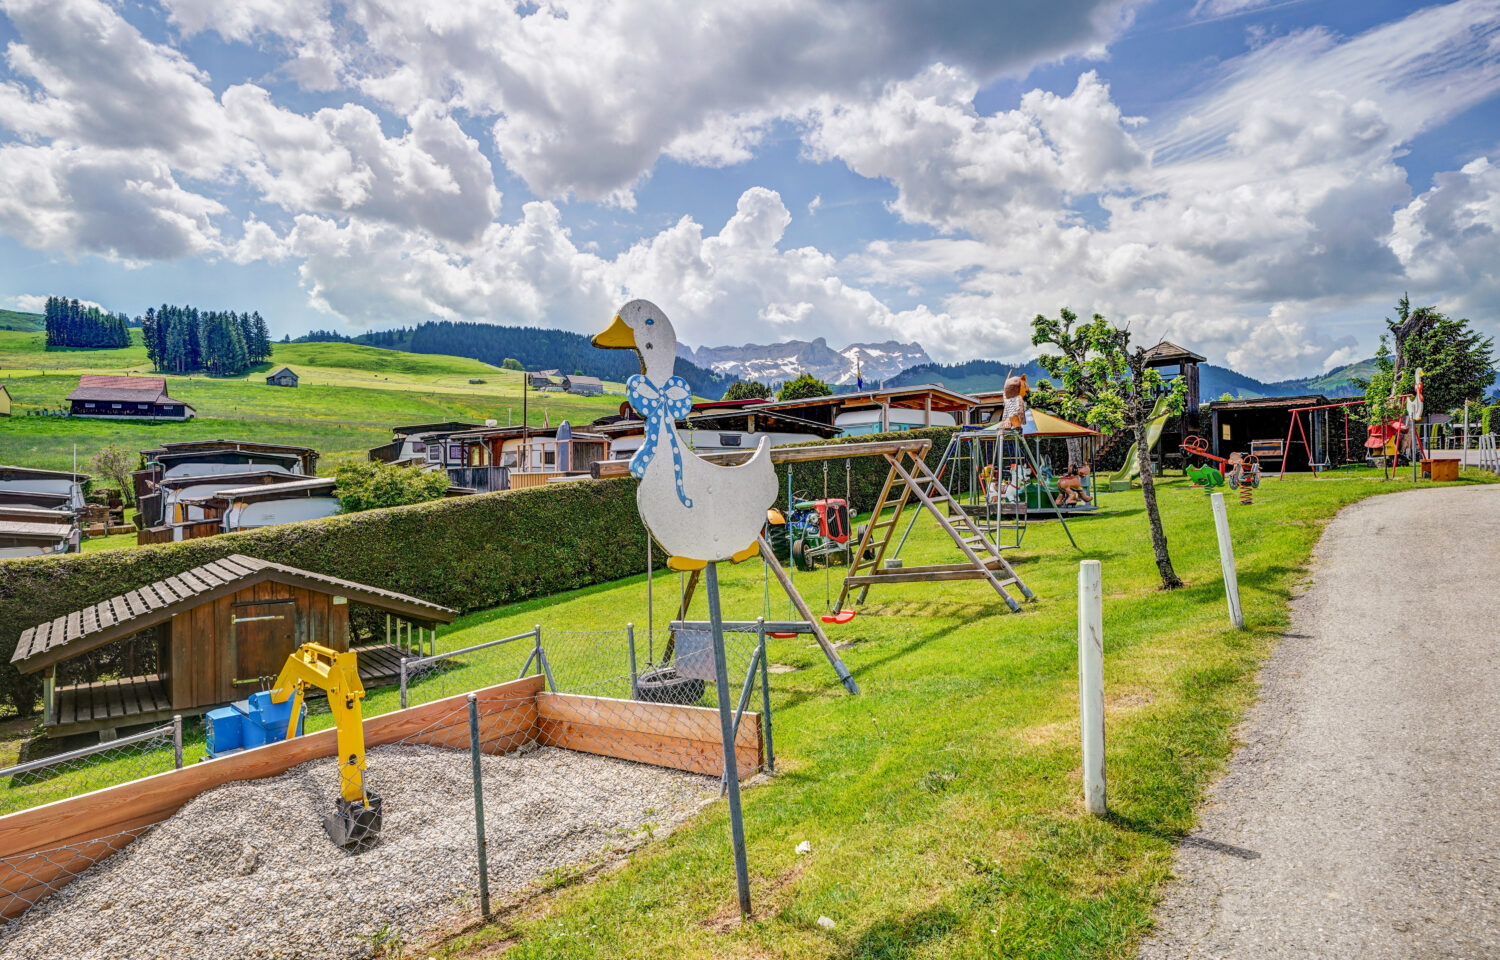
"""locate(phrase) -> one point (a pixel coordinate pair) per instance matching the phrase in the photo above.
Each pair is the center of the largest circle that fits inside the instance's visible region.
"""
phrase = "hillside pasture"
(349, 398)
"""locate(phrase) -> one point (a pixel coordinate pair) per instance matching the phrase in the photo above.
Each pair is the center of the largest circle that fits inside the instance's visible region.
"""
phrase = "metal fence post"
(765, 695)
(726, 725)
(630, 642)
(1226, 561)
(484, 862)
(177, 741)
(403, 683)
(1091, 682)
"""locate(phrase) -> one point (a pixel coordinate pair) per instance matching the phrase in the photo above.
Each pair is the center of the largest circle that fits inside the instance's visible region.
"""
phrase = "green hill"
(14, 320)
(349, 398)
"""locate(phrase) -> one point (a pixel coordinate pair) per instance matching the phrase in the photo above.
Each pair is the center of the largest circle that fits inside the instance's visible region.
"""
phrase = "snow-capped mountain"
(776, 363)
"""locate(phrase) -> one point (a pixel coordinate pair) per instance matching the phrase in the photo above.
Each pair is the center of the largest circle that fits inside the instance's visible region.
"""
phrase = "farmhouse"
(177, 646)
(126, 398)
(583, 386)
(544, 381)
(282, 378)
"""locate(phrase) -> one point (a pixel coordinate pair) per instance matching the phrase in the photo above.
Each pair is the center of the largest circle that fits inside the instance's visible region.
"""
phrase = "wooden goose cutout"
(700, 512)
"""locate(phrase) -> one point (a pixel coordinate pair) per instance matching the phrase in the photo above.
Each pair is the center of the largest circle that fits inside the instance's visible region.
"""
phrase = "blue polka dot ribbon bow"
(671, 401)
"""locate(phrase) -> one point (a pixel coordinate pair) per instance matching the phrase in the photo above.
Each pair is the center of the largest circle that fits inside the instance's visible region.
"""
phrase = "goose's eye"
(649, 321)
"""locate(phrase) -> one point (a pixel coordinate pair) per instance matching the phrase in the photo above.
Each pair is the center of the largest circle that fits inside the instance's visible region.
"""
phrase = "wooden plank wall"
(92, 824)
(667, 735)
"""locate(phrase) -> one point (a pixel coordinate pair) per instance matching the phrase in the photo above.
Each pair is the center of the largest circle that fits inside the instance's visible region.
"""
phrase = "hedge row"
(469, 553)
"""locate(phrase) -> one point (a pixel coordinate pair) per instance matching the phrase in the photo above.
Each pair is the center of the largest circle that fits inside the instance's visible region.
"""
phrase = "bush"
(469, 553)
(373, 485)
(1491, 419)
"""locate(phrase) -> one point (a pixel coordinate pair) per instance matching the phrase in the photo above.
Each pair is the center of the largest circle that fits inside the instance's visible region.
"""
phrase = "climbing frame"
(909, 478)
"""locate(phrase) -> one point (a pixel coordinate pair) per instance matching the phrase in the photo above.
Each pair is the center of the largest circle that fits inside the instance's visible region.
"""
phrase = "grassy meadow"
(349, 398)
(943, 803)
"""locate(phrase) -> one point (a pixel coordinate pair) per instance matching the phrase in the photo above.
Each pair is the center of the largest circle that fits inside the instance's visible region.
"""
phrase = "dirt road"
(1361, 816)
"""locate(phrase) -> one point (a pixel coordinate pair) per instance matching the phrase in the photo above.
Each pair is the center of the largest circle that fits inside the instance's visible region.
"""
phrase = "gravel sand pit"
(246, 871)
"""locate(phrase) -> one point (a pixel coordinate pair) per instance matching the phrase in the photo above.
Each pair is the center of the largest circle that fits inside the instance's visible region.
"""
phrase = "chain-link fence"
(61, 775)
(479, 803)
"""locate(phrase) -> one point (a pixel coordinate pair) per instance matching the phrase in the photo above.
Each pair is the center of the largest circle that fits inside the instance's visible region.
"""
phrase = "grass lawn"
(943, 803)
(349, 398)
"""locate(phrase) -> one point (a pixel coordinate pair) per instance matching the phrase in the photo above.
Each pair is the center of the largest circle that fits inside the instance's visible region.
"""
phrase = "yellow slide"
(1122, 478)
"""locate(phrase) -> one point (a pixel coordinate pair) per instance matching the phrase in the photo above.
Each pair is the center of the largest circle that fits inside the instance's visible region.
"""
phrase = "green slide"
(1121, 479)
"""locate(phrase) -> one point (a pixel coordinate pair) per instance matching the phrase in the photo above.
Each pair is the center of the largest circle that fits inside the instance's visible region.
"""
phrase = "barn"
(203, 638)
(125, 398)
(282, 378)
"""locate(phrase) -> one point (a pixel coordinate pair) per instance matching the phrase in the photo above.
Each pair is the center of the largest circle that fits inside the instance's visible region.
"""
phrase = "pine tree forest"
(71, 324)
(219, 343)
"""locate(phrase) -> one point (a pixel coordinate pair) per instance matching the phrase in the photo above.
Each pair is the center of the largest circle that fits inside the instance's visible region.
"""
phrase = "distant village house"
(126, 398)
(583, 386)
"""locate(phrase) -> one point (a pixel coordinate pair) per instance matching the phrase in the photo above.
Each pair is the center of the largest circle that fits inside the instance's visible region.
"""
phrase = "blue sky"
(1260, 181)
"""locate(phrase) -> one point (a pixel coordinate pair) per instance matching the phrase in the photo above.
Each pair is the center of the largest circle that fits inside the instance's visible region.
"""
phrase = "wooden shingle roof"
(92, 627)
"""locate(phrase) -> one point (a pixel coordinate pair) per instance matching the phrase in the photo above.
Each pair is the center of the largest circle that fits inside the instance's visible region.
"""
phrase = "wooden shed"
(201, 639)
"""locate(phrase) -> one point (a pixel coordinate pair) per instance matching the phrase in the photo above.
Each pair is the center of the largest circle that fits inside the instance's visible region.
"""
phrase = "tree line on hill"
(71, 324)
(219, 343)
(535, 348)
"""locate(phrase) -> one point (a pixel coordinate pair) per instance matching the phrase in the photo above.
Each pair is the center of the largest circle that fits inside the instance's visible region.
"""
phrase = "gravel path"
(246, 871)
(1358, 820)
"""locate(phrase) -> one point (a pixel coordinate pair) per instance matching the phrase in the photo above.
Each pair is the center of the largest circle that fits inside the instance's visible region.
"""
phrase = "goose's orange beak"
(618, 336)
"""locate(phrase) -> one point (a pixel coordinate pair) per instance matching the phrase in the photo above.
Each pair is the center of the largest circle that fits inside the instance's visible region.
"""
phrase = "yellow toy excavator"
(356, 819)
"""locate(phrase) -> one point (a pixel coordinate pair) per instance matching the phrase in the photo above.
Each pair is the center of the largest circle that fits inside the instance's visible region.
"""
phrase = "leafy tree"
(1106, 384)
(747, 390)
(1456, 361)
(806, 385)
(371, 485)
(511, 363)
(1226, 396)
(115, 463)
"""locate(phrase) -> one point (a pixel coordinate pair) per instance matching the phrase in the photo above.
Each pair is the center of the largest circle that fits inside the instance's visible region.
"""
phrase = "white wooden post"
(1091, 682)
(1226, 560)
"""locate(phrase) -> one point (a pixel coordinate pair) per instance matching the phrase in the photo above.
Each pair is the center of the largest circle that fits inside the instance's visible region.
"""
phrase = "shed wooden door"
(265, 633)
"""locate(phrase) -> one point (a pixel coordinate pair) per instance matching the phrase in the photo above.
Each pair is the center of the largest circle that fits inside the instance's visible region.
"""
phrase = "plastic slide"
(1154, 427)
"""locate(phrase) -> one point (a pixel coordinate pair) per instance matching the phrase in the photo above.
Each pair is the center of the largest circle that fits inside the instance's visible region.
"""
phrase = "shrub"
(372, 485)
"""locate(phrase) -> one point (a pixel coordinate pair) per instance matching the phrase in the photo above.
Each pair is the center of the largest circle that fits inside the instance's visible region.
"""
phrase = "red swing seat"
(843, 616)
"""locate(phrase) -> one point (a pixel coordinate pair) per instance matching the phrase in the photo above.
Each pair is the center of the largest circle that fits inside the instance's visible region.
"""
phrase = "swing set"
(874, 560)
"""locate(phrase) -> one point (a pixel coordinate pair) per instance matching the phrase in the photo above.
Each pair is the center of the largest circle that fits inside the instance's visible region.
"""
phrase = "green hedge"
(469, 553)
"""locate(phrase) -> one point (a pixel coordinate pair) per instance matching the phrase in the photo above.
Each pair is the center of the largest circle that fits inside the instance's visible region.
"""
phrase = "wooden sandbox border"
(96, 825)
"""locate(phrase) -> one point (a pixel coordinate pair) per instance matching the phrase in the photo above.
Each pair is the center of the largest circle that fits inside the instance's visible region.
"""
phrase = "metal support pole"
(1226, 561)
(403, 682)
(765, 699)
(635, 693)
(177, 741)
(541, 660)
(726, 726)
(1091, 682)
(484, 861)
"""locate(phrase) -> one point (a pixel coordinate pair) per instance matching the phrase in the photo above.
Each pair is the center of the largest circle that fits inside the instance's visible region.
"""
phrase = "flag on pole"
(546, 422)
(859, 378)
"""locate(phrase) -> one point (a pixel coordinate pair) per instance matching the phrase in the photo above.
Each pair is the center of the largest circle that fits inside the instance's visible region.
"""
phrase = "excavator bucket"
(354, 825)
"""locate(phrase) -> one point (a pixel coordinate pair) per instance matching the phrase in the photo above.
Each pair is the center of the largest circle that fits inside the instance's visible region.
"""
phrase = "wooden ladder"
(983, 559)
